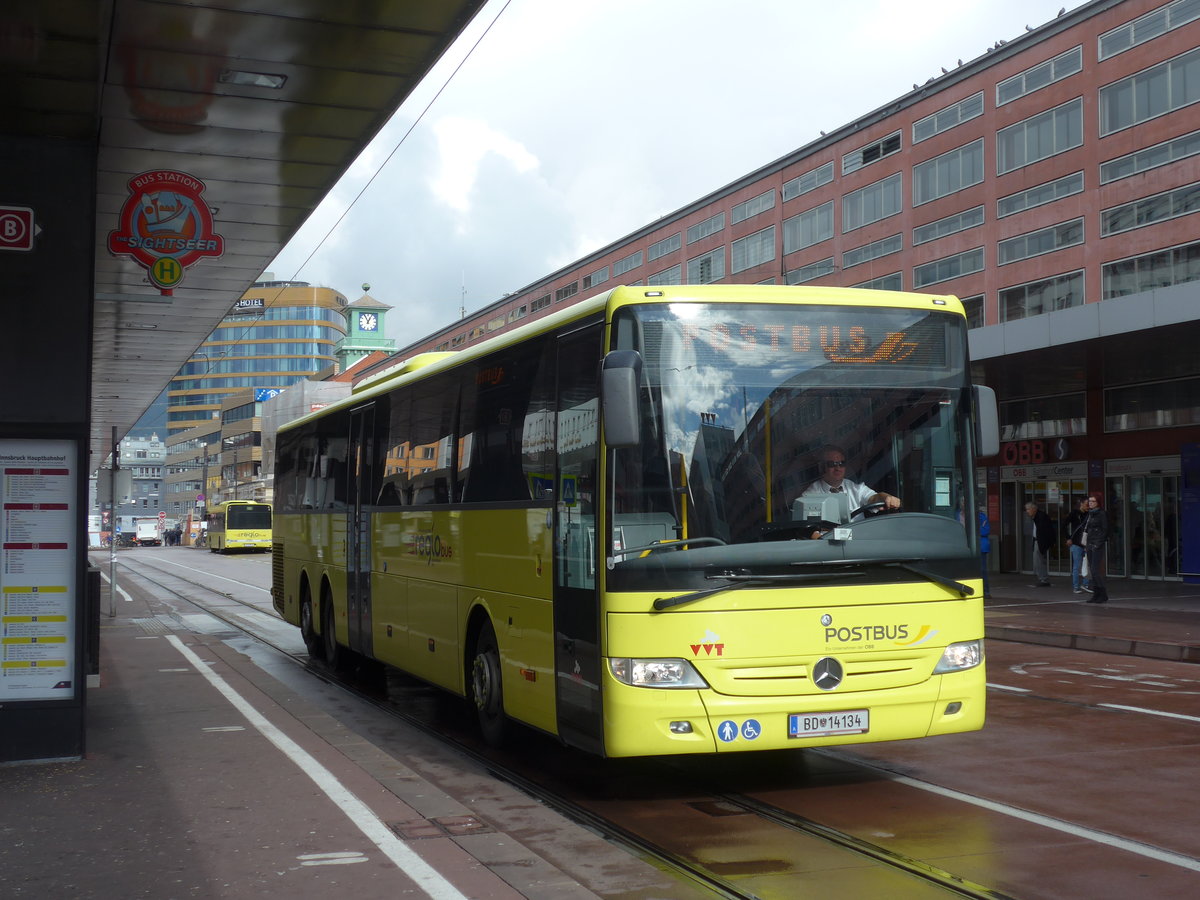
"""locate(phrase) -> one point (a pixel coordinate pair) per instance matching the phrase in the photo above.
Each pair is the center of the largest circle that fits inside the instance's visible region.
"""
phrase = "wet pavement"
(178, 797)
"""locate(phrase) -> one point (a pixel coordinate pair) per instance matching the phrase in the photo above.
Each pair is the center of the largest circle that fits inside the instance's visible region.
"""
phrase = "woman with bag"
(1095, 538)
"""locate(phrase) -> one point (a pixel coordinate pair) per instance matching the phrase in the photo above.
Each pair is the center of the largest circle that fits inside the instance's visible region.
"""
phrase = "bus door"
(360, 460)
(576, 601)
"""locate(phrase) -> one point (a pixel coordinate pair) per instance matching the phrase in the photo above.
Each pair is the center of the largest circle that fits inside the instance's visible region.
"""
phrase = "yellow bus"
(239, 525)
(597, 524)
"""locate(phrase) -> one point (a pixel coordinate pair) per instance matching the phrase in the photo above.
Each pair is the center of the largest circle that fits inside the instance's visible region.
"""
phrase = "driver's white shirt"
(860, 495)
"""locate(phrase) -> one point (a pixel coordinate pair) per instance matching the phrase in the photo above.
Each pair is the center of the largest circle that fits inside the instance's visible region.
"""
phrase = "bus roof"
(422, 365)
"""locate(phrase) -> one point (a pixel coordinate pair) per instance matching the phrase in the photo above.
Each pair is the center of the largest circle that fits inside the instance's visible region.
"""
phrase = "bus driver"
(833, 480)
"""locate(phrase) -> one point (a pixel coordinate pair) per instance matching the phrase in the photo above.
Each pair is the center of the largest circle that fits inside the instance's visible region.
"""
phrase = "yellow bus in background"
(239, 525)
(595, 524)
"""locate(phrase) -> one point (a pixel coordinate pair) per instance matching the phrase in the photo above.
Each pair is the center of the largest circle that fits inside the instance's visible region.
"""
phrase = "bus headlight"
(658, 673)
(957, 657)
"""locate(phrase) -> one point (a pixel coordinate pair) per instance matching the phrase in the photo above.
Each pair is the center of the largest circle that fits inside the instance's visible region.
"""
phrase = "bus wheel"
(312, 640)
(487, 687)
(335, 657)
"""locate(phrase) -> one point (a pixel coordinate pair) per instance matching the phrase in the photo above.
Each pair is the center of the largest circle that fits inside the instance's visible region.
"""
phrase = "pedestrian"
(1043, 540)
(1074, 531)
(1095, 539)
(985, 546)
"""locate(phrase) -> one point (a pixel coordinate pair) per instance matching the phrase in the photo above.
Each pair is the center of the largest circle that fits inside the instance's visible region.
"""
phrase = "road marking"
(331, 859)
(1005, 687)
(208, 575)
(120, 590)
(425, 876)
(1151, 712)
(1100, 837)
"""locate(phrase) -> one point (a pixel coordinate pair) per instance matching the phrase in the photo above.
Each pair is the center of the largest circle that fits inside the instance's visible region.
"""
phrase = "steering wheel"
(870, 509)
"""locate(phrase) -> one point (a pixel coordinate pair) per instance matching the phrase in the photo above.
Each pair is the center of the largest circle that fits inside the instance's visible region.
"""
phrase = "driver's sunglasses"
(834, 464)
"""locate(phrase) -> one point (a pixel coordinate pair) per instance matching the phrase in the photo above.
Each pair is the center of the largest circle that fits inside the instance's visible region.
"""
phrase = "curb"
(1165, 650)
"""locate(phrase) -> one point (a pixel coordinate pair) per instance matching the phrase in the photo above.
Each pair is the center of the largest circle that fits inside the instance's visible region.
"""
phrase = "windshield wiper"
(741, 581)
(901, 562)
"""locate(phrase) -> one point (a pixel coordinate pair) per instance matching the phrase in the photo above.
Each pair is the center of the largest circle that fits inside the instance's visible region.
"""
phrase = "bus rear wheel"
(312, 640)
(335, 657)
(487, 687)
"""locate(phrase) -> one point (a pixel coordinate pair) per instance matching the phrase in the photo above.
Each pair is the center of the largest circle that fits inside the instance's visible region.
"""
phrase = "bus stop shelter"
(155, 155)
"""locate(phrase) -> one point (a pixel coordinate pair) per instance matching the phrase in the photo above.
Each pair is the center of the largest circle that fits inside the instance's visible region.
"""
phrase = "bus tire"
(312, 640)
(335, 656)
(487, 687)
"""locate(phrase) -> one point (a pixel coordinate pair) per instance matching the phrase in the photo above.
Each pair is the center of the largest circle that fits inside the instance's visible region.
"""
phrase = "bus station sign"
(165, 226)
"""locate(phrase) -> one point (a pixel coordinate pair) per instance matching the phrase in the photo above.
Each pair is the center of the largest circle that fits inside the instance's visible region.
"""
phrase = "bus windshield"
(745, 411)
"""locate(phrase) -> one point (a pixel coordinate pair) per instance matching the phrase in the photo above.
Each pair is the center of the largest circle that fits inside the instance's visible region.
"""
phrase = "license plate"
(827, 724)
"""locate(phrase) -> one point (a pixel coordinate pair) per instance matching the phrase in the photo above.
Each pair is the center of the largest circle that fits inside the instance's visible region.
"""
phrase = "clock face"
(367, 322)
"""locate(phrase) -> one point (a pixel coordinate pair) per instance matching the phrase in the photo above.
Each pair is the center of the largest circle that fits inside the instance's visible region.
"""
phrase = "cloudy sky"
(570, 124)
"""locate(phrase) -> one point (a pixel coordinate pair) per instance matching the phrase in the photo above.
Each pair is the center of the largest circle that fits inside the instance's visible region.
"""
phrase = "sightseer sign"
(165, 226)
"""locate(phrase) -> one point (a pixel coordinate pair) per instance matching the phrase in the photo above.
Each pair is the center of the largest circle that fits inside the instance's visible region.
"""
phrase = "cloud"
(462, 144)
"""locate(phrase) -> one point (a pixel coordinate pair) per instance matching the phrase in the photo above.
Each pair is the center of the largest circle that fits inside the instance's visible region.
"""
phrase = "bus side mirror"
(620, 382)
(987, 421)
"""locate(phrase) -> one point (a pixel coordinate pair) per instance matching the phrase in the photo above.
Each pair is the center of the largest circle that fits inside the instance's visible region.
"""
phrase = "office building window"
(1039, 195)
(752, 207)
(1153, 92)
(1163, 268)
(809, 227)
(753, 250)
(1151, 157)
(673, 275)
(1149, 210)
(809, 181)
(873, 250)
(872, 203)
(969, 218)
(1044, 240)
(1062, 415)
(809, 272)
(947, 268)
(598, 277)
(1151, 25)
(703, 229)
(945, 119)
(566, 291)
(1040, 137)
(663, 247)
(892, 282)
(1163, 404)
(1048, 72)
(950, 172)
(873, 152)
(632, 261)
(540, 303)
(1024, 300)
(707, 268)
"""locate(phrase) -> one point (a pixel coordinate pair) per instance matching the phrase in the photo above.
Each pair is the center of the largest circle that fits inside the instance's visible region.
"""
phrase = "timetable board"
(38, 509)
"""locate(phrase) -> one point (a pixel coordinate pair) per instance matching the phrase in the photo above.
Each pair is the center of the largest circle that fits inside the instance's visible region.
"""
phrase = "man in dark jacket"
(1043, 540)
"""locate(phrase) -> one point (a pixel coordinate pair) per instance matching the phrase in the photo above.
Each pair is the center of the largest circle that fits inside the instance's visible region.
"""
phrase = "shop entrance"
(1057, 497)
(1143, 515)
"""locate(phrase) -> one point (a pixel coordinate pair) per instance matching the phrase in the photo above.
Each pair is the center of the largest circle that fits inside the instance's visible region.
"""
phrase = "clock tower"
(364, 330)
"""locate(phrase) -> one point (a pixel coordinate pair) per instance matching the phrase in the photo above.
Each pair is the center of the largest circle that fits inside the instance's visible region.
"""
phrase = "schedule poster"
(37, 570)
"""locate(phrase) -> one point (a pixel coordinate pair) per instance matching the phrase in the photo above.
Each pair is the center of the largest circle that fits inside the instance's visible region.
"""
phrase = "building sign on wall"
(37, 570)
(17, 228)
(165, 226)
